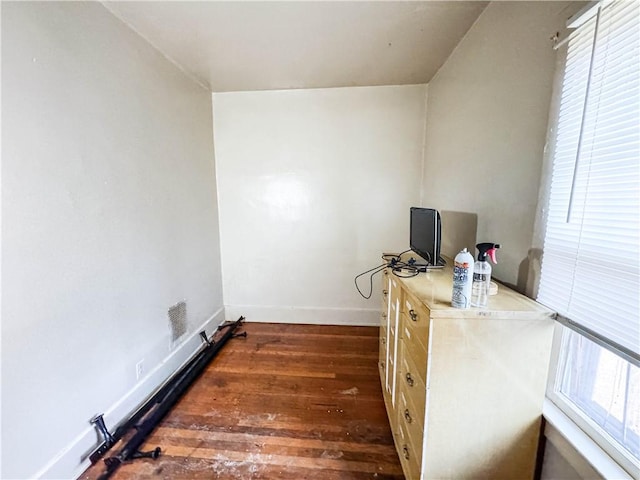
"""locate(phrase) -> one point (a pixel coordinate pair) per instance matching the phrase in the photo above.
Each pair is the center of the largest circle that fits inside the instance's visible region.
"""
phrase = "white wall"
(486, 126)
(109, 218)
(313, 186)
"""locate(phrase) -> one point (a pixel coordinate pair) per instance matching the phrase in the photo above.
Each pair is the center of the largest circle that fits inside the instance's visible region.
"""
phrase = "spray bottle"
(462, 280)
(482, 274)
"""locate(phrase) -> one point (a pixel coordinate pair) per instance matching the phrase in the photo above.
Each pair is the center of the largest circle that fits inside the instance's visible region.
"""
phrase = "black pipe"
(171, 392)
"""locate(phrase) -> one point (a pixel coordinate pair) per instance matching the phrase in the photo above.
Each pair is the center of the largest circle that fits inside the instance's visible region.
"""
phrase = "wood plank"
(353, 386)
(287, 402)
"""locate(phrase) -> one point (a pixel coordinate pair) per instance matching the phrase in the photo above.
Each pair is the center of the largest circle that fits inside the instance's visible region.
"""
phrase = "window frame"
(608, 444)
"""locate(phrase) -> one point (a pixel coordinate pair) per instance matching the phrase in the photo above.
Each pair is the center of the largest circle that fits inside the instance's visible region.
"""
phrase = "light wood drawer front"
(395, 291)
(382, 340)
(387, 399)
(407, 454)
(382, 369)
(385, 293)
(412, 422)
(411, 381)
(385, 392)
(392, 344)
(393, 317)
(385, 288)
(414, 349)
(391, 359)
(417, 319)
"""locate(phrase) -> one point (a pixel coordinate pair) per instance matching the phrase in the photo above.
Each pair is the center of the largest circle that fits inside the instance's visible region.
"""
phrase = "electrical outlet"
(139, 369)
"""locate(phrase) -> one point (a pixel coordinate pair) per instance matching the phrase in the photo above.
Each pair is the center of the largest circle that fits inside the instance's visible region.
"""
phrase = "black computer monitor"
(425, 233)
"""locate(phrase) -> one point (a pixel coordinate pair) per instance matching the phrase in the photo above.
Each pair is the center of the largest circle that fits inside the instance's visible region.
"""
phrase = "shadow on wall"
(529, 273)
(459, 231)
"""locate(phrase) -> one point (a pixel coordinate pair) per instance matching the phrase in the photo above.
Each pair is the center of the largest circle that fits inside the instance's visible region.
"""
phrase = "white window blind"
(591, 265)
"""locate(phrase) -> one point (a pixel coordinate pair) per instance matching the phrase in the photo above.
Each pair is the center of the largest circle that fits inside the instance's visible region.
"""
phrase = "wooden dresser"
(463, 388)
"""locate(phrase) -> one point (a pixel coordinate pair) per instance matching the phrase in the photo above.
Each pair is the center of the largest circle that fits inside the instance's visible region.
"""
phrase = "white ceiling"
(234, 46)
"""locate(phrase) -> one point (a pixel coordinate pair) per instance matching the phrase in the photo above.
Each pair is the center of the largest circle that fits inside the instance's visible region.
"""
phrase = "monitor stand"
(423, 265)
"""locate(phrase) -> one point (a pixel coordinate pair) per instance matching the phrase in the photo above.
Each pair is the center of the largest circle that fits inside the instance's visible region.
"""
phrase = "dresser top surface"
(434, 289)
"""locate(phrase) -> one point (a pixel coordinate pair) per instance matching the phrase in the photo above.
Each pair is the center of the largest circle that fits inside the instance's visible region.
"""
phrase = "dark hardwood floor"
(288, 402)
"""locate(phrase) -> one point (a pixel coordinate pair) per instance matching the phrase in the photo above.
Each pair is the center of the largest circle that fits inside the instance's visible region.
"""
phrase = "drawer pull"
(384, 292)
(384, 315)
(407, 416)
(383, 341)
(409, 379)
(413, 315)
(405, 451)
(382, 365)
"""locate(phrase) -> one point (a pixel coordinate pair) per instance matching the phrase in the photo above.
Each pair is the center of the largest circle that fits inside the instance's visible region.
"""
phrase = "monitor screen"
(424, 238)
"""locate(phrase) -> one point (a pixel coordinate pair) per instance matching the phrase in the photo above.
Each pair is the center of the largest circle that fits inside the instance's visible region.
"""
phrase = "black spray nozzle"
(485, 249)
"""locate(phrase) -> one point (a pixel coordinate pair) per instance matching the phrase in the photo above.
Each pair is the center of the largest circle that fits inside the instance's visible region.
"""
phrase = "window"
(600, 391)
(591, 264)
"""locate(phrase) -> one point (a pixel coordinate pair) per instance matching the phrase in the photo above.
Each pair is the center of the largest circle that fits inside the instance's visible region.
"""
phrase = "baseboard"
(305, 315)
(73, 459)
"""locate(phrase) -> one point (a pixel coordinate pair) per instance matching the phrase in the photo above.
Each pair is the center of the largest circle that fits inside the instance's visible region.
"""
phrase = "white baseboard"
(305, 315)
(69, 463)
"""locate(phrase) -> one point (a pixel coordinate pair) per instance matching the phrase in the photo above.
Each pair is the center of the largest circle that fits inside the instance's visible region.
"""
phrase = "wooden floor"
(288, 402)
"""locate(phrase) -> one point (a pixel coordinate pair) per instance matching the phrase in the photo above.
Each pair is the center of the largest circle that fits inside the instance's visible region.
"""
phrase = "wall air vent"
(178, 320)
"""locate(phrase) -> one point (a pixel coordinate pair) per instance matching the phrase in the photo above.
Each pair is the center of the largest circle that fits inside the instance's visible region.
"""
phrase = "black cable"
(392, 256)
(397, 267)
(411, 271)
(377, 269)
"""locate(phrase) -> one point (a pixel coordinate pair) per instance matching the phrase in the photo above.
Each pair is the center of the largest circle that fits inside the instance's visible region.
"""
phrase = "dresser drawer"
(417, 316)
(412, 421)
(407, 451)
(395, 291)
(411, 381)
(385, 287)
(382, 369)
(383, 318)
(393, 315)
(382, 348)
(387, 396)
(414, 349)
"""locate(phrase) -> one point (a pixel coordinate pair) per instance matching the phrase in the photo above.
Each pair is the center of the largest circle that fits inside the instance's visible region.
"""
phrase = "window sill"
(568, 438)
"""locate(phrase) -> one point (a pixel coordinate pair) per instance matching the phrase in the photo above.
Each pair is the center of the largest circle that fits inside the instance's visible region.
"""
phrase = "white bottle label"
(460, 274)
(460, 297)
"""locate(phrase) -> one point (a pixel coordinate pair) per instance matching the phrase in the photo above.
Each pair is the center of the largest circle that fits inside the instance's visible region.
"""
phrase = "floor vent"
(178, 320)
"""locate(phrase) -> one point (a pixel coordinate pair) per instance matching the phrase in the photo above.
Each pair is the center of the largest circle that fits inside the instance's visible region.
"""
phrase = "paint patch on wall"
(178, 320)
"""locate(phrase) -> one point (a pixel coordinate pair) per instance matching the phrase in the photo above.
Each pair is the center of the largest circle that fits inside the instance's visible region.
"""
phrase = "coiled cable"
(398, 268)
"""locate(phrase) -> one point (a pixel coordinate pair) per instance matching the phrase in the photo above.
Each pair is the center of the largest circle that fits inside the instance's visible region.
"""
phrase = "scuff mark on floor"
(332, 454)
(350, 391)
